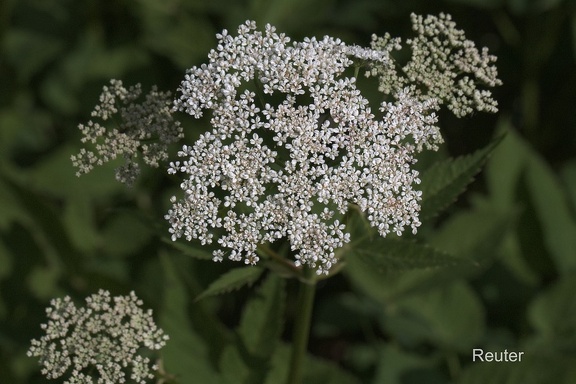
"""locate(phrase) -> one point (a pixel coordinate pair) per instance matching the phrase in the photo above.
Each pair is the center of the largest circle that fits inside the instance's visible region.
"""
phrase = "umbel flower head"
(143, 128)
(100, 343)
(294, 142)
(444, 65)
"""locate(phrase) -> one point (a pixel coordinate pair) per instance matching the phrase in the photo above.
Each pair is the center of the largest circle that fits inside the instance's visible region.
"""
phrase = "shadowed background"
(65, 235)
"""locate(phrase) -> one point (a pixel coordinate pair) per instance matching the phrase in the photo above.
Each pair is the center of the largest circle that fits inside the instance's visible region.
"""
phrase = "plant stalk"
(302, 325)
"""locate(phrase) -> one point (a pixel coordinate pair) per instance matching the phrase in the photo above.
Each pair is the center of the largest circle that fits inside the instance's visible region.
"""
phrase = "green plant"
(299, 174)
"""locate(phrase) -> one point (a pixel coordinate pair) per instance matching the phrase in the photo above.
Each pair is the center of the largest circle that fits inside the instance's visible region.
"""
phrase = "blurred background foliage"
(63, 235)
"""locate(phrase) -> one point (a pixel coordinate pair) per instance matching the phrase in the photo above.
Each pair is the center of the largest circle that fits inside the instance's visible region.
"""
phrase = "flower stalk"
(304, 305)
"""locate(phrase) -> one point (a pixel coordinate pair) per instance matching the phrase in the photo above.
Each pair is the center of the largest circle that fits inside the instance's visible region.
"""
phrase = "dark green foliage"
(445, 180)
(249, 359)
(493, 265)
(189, 249)
(186, 356)
(231, 281)
(392, 254)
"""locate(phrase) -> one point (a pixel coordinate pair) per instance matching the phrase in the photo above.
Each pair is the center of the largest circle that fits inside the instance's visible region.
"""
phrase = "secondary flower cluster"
(444, 65)
(105, 337)
(145, 127)
(286, 159)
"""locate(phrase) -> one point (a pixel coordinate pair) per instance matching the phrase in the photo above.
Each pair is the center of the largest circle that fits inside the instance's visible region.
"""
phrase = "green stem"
(282, 261)
(302, 325)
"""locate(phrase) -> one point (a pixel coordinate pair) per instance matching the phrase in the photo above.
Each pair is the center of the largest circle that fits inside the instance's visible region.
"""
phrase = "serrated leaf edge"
(220, 286)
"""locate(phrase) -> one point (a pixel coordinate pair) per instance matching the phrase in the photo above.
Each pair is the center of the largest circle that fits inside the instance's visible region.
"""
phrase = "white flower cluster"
(444, 65)
(146, 127)
(293, 143)
(103, 339)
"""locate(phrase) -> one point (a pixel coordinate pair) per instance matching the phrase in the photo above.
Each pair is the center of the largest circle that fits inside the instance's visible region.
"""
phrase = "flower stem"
(302, 325)
(282, 261)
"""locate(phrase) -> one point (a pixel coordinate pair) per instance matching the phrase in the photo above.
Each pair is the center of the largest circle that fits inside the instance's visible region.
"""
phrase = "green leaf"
(262, 319)
(391, 254)
(530, 235)
(189, 249)
(473, 237)
(475, 234)
(404, 263)
(326, 372)
(79, 218)
(316, 370)
(43, 281)
(185, 355)
(396, 255)
(258, 335)
(505, 178)
(125, 233)
(232, 280)
(11, 207)
(394, 363)
(23, 126)
(518, 177)
(447, 179)
(556, 218)
(56, 175)
(234, 368)
(451, 317)
(46, 225)
(29, 52)
(505, 166)
(553, 316)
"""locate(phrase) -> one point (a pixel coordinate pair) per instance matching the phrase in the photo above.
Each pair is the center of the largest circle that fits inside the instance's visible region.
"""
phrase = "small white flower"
(294, 142)
(145, 129)
(99, 343)
(312, 145)
(444, 66)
